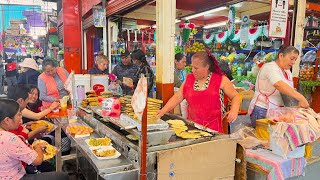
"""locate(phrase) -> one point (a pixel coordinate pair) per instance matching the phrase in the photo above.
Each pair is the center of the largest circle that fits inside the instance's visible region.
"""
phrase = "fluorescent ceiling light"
(206, 12)
(218, 24)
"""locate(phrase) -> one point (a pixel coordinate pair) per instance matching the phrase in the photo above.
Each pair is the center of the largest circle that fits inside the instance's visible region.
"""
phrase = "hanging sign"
(278, 18)
(98, 16)
(244, 32)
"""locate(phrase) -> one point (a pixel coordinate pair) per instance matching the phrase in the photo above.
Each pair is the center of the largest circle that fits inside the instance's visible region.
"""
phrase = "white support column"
(298, 41)
(165, 15)
(109, 45)
(84, 58)
(105, 29)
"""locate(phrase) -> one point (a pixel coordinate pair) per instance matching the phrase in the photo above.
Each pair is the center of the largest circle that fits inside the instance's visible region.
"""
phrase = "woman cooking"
(273, 79)
(204, 90)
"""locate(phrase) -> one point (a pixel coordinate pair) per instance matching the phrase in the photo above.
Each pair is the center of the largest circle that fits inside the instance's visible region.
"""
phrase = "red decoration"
(98, 88)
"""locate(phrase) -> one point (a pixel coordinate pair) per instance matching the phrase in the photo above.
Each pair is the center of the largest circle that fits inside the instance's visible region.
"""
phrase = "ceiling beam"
(140, 15)
(255, 11)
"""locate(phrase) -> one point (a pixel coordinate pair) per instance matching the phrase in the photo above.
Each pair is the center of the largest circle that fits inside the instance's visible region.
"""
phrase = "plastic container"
(81, 80)
(276, 149)
(100, 79)
(282, 114)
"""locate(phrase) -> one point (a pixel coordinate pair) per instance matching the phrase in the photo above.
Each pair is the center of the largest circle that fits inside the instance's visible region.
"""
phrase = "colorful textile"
(289, 136)
(276, 167)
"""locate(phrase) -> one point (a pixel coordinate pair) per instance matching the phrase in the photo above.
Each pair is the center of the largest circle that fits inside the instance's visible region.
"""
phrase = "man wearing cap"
(125, 69)
(29, 73)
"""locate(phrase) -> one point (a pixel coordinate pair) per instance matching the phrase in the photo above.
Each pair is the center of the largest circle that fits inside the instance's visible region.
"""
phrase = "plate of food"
(105, 152)
(39, 123)
(78, 131)
(49, 152)
(98, 142)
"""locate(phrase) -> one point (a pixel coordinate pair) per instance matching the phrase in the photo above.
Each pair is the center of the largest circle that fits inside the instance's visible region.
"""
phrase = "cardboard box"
(312, 149)
(262, 132)
(204, 161)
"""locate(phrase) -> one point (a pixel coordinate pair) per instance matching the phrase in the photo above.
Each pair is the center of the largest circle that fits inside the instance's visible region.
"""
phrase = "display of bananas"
(153, 106)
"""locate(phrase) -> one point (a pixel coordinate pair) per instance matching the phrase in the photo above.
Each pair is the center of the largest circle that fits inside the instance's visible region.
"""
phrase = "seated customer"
(31, 112)
(51, 83)
(13, 150)
(29, 73)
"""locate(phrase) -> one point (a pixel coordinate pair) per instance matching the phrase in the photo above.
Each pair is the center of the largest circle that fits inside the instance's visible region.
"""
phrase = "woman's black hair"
(224, 66)
(48, 62)
(18, 91)
(140, 56)
(179, 56)
(8, 108)
(35, 104)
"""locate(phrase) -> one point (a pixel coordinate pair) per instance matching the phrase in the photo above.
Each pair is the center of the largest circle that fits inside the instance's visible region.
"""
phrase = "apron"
(204, 106)
(266, 97)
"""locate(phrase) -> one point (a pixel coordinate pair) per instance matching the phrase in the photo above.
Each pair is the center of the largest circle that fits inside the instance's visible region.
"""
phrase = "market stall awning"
(118, 7)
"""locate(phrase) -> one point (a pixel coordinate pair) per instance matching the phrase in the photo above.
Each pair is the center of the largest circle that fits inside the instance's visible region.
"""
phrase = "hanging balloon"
(231, 22)
(207, 38)
(221, 37)
(186, 30)
(236, 37)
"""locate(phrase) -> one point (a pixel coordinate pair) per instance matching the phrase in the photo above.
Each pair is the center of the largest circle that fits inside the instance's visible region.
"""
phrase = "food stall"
(109, 146)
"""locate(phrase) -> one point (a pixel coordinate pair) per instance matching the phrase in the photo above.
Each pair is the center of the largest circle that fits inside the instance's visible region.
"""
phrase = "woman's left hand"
(28, 124)
(231, 116)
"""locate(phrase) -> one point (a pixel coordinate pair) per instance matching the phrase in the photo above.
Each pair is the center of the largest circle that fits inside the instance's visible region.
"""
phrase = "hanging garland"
(236, 37)
(221, 37)
(255, 33)
(186, 30)
(231, 22)
(208, 38)
(266, 31)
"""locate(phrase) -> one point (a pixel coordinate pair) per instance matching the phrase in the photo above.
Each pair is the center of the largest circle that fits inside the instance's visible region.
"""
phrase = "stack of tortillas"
(180, 128)
(153, 106)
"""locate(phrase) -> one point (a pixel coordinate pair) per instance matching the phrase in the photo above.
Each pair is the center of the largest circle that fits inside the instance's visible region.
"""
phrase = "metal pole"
(105, 49)
(3, 33)
(143, 155)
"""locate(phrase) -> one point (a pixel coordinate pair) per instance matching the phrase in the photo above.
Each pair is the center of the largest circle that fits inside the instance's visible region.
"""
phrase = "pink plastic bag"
(111, 107)
(282, 114)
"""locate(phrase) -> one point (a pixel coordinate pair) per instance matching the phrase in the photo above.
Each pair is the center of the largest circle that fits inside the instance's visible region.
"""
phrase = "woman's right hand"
(54, 105)
(40, 146)
(160, 113)
(304, 104)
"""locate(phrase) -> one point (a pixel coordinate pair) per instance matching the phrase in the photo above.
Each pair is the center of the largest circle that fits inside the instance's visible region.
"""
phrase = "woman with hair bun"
(273, 79)
(204, 91)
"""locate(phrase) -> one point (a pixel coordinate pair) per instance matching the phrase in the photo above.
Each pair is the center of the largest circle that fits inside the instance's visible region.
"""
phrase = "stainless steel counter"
(85, 157)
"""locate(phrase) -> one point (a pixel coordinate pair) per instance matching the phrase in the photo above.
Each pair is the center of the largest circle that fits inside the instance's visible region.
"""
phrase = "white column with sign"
(278, 18)
(300, 20)
(244, 30)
